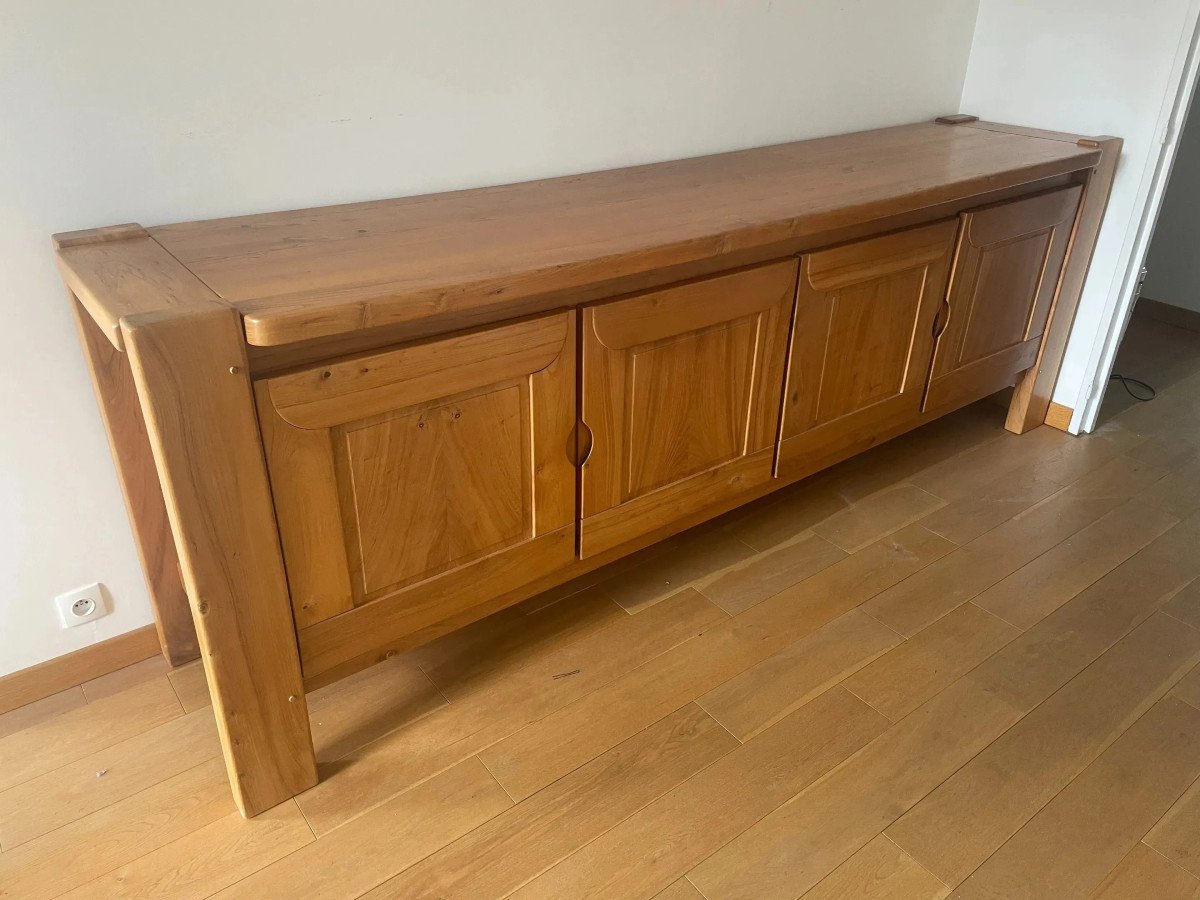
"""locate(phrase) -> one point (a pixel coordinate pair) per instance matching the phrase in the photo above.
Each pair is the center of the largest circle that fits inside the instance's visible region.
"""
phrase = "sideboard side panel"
(117, 397)
(191, 375)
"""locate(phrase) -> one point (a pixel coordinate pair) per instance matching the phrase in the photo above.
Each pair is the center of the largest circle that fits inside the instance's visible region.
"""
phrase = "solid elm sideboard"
(344, 431)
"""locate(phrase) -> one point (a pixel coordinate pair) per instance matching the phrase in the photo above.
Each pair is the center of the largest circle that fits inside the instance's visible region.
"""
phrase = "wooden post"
(1031, 399)
(122, 415)
(191, 374)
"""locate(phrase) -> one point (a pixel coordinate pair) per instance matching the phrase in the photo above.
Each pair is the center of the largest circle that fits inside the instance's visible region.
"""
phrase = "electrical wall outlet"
(85, 604)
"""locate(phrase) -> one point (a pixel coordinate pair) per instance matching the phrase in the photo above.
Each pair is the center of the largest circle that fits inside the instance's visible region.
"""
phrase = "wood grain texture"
(365, 386)
(121, 412)
(1032, 398)
(459, 443)
(1059, 416)
(127, 280)
(1071, 845)
(1145, 874)
(191, 376)
(862, 340)
(954, 830)
(679, 388)
(1006, 274)
(880, 870)
(392, 837)
(319, 272)
(403, 776)
(664, 839)
(537, 833)
(488, 709)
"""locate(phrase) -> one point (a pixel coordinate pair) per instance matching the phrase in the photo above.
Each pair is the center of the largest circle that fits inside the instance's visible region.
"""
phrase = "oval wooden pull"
(943, 318)
(583, 443)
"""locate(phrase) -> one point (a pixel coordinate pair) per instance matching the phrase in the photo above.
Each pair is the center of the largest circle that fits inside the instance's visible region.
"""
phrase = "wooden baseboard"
(64, 672)
(1178, 316)
(1059, 416)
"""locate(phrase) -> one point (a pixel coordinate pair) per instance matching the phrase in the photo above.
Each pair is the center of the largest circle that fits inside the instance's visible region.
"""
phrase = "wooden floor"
(965, 664)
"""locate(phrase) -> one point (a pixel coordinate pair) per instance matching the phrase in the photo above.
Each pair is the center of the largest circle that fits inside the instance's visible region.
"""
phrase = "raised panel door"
(412, 484)
(1006, 275)
(680, 393)
(861, 344)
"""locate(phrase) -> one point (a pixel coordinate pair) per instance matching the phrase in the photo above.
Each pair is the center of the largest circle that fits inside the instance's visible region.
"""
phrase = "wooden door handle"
(583, 443)
(942, 319)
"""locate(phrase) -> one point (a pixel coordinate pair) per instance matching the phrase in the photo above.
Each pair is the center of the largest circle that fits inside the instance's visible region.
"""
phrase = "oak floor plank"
(1185, 606)
(897, 460)
(1146, 875)
(1172, 449)
(41, 711)
(793, 848)
(1179, 492)
(1044, 453)
(965, 819)
(521, 843)
(1188, 689)
(1047, 655)
(663, 840)
(526, 633)
(75, 734)
(366, 851)
(542, 751)
(766, 574)
(785, 681)
(879, 870)
(905, 677)
(1072, 844)
(353, 712)
(79, 788)
(1039, 587)
(1122, 477)
(877, 516)
(1177, 835)
(496, 706)
(999, 500)
(207, 860)
(116, 835)
(191, 686)
(779, 518)
(706, 552)
(971, 569)
(117, 681)
(680, 890)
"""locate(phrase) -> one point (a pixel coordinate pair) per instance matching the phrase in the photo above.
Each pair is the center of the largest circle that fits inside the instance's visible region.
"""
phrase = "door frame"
(1114, 319)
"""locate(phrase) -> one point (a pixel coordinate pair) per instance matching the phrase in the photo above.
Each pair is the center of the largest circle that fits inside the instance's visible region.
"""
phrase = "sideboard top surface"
(332, 270)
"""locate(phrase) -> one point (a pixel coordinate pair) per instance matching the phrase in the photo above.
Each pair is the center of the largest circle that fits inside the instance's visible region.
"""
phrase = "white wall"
(1173, 262)
(1092, 67)
(134, 110)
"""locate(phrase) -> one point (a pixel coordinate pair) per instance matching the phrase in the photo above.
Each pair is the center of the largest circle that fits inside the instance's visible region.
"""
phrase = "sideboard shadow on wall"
(528, 381)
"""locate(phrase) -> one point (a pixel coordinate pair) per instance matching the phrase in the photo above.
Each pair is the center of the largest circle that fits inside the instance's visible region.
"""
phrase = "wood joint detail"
(106, 235)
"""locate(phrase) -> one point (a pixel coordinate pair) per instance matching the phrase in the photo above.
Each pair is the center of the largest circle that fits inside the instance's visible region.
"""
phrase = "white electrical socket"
(85, 604)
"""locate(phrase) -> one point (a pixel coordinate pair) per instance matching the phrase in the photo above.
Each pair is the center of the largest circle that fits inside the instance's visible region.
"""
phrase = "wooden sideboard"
(345, 431)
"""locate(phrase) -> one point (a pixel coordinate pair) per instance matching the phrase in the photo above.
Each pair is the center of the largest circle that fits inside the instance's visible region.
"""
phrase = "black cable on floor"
(1150, 393)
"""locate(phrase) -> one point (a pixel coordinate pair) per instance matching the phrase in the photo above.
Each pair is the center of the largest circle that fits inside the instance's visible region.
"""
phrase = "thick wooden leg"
(1035, 388)
(122, 415)
(190, 370)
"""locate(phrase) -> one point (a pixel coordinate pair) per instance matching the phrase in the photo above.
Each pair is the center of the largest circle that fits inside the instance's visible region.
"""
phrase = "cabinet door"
(681, 396)
(1005, 278)
(413, 484)
(861, 344)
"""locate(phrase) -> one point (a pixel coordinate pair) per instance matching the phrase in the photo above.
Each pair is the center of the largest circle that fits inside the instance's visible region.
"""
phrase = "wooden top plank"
(319, 272)
(122, 274)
